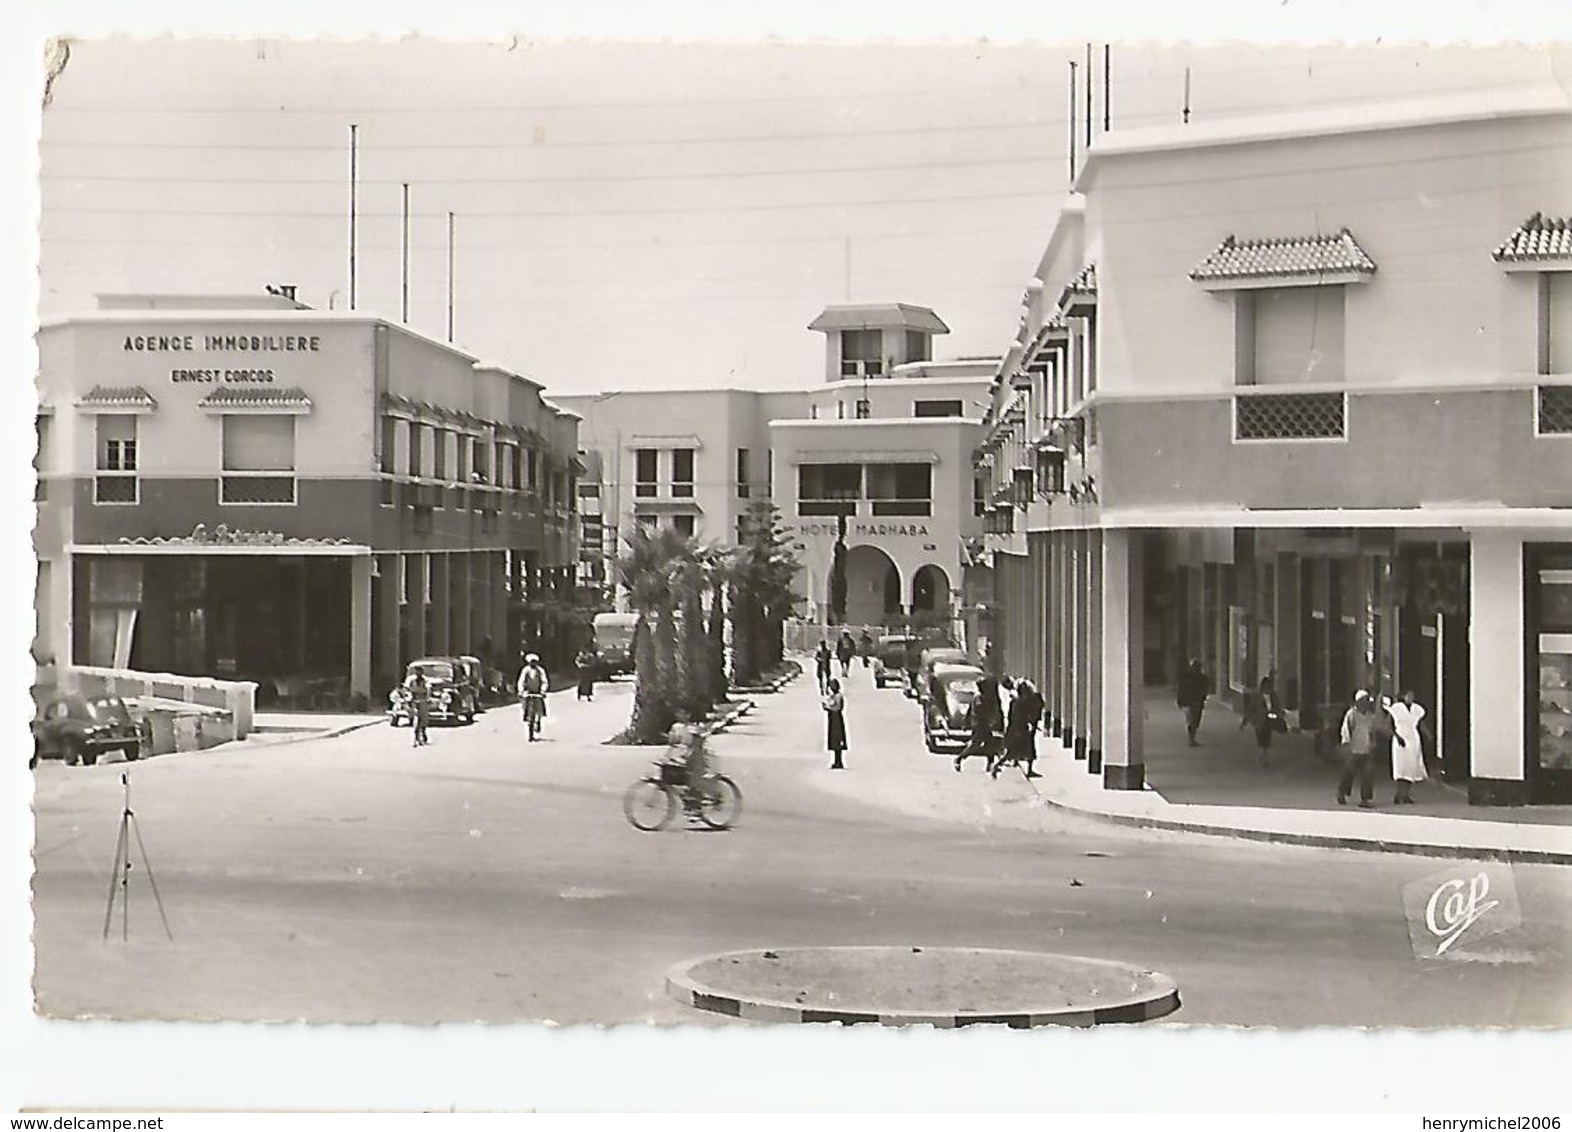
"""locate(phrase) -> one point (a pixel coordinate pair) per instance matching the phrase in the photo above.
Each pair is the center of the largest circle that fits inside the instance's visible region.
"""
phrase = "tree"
(645, 568)
(764, 568)
(688, 584)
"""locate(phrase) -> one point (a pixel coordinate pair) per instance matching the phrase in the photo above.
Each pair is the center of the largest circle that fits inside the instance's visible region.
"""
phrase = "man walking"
(1192, 698)
(1364, 731)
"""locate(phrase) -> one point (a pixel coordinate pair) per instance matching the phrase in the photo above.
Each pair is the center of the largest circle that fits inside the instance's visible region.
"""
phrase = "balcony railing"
(1290, 416)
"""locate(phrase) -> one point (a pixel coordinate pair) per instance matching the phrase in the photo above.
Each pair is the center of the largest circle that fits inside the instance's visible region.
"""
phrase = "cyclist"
(532, 694)
(687, 747)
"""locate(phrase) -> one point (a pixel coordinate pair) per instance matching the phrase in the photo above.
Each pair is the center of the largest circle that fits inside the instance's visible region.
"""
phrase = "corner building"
(1295, 396)
(254, 490)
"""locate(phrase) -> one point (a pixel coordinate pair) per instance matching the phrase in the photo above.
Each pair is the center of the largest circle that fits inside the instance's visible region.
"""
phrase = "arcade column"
(417, 583)
(1497, 680)
(1123, 661)
(385, 656)
(1094, 652)
(360, 625)
(440, 566)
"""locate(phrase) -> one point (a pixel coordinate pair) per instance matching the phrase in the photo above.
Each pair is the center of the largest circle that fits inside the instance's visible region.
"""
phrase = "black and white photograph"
(1014, 544)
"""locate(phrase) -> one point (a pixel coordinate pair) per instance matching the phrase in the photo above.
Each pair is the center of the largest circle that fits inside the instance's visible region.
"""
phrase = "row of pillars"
(470, 592)
(1092, 634)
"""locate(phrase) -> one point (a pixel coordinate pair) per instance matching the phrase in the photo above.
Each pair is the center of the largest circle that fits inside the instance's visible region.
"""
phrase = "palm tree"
(761, 591)
(645, 570)
(692, 644)
(719, 569)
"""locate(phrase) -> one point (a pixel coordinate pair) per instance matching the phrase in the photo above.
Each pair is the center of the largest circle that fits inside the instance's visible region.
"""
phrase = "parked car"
(453, 696)
(946, 714)
(889, 660)
(79, 727)
(614, 642)
(475, 676)
(931, 657)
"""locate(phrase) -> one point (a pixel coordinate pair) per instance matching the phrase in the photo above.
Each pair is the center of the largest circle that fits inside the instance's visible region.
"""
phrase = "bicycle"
(651, 802)
(534, 712)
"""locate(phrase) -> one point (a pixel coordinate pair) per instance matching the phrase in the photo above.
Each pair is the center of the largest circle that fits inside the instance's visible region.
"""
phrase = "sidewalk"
(1217, 789)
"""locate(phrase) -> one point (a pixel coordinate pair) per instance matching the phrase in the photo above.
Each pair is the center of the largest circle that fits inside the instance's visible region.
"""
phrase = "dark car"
(452, 694)
(78, 727)
(889, 660)
(946, 717)
(931, 657)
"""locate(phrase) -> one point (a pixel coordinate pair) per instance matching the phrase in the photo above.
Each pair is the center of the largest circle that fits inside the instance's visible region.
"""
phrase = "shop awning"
(865, 456)
(117, 399)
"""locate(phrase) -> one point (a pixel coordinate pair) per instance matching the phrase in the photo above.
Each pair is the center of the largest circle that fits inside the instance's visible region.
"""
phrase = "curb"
(731, 717)
(331, 733)
(684, 989)
(773, 686)
(1325, 840)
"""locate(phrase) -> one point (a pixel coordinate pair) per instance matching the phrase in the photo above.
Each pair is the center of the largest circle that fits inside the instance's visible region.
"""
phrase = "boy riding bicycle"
(532, 694)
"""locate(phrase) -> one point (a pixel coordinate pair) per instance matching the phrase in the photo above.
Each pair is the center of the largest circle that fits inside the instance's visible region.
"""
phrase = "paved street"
(483, 878)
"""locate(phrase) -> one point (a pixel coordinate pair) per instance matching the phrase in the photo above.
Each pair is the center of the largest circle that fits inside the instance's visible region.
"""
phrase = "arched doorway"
(873, 586)
(931, 591)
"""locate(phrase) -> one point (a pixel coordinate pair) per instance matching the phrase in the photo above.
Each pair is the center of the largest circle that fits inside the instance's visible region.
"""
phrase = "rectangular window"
(979, 495)
(500, 461)
(645, 476)
(840, 410)
(258, 460)
(439, 453)
(683, 525)
(1289, 336)
(936, 408)
(1555, 337)
(386, 458)
(743, 485)
(864, 409)
(901, 489)
(828, 489)
(517, 456)
(532, 470)
(116, 481)
(862, 353)
(917, 346)
(682, 473)
(480, 458)
(461, 460)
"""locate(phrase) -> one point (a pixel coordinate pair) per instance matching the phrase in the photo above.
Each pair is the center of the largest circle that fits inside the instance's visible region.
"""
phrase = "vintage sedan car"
(78, 727)
(454, 698)
(931, 657)
(889, 660)
(946, 716)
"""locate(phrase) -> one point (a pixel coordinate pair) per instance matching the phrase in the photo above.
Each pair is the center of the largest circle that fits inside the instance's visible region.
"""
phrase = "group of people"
(1005, 734)
(1372, 730)
(845, 651)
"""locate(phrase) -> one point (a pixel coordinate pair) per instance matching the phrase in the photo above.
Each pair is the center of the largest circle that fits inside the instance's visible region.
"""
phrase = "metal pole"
(1106, 87)
(450, 277)
(1187, 96)
(404, 309)
(354, 155)
(1072, 121)
(1089, 115)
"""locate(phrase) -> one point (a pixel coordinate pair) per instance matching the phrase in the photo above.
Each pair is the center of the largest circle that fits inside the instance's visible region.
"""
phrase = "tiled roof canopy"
(1537, 240)
(118, 399)
(229, 398)
(1290, 260)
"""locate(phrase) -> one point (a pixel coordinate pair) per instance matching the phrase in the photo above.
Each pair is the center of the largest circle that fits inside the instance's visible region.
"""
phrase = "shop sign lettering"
(221, 343)
(866, 530)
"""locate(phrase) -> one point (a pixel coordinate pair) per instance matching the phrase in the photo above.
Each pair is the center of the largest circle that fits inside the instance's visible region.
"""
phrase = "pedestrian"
(987, 723)
(821, 666)
(845, 649)
(1408, 755)
(1263, 716)
(1019, 744)
(585, 663)
(835, 724)
(1362, 738)
(1192, 698)
(865, 648)
(419, 706)
(1032, 714)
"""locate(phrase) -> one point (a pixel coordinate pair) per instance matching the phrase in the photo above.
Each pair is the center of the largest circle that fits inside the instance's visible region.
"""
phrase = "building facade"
(1295, 398)
(883, 443)
(302, 498)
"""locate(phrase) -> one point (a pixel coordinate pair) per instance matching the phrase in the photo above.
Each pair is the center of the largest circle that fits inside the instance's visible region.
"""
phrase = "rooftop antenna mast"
(1089, 72)
(404, 307)
(354, 180)
(1107, 89)
(450, 277)
(1072, 122)
(1187, 96)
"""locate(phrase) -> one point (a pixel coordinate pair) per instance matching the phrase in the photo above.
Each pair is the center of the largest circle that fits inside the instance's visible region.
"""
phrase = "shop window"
(259, 460)
(682, 473)
(936, 409)
(1289, 336)
(116, 481)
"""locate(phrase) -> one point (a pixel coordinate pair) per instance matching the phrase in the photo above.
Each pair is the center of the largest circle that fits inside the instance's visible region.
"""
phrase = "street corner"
(907, 985)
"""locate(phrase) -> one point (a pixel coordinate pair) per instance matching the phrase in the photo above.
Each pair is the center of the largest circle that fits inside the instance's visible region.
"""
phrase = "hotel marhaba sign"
(237, 350)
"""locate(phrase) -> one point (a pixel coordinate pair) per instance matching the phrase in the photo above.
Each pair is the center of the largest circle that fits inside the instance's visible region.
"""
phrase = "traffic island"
(943, 987)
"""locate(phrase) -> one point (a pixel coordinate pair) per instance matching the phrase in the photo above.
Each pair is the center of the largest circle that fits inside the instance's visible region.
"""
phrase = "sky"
(626, 215)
